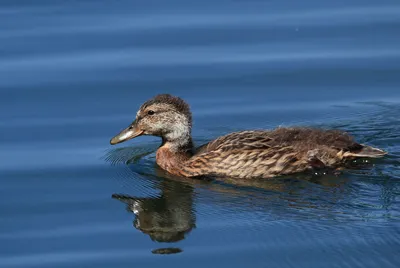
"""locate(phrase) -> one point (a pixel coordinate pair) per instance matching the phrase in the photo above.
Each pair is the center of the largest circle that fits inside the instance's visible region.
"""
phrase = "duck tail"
(366, 151)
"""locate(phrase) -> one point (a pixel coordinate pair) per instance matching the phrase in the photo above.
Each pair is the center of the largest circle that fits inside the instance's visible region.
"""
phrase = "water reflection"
(171, 215)
(168, 217)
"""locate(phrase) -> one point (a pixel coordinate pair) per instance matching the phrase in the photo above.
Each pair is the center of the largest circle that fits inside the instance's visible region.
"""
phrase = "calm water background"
(73, 73)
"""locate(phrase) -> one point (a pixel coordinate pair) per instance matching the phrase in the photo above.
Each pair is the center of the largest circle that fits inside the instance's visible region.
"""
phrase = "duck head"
(164, 116)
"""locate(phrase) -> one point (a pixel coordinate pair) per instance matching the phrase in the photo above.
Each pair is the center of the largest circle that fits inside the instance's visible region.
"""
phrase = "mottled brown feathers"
(299, 137)
(179, 104)
(245, 154)
(264, 154)
(309, 137)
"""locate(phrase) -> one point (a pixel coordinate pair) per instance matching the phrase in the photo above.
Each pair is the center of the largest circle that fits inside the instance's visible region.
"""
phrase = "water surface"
(72, 74)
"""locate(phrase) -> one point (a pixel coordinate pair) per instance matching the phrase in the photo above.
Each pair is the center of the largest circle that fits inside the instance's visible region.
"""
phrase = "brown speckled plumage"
(245, 154)
(178, 104)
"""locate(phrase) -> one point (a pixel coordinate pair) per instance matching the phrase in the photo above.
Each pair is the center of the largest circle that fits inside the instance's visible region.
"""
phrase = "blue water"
(73, 73)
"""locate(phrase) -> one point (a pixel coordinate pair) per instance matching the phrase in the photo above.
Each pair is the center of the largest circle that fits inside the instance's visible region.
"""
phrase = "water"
(73, 73)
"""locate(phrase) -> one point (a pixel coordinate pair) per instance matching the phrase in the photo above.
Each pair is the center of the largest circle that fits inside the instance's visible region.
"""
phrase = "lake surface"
(73, 73)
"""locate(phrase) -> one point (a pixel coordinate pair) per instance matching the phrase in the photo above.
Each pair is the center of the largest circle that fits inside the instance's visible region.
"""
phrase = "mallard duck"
(244, 154)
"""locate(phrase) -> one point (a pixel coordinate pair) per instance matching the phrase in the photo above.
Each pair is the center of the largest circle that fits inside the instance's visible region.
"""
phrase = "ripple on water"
(71, 71)
(346, 215)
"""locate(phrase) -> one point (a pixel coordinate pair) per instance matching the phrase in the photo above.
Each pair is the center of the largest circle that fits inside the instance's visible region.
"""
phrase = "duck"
(247, 154)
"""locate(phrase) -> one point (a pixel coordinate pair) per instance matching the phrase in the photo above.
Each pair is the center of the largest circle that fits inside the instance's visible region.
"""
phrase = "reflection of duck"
(167, 218)
(246, 154)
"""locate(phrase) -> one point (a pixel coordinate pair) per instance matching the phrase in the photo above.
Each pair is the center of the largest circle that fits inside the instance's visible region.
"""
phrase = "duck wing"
(259, 153)
(237, 140)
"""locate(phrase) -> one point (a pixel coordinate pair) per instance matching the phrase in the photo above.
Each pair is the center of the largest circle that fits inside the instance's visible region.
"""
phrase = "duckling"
(245, 154)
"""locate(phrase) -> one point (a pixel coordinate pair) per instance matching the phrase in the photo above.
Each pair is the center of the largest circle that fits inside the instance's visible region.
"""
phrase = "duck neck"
(179, 138)
(173, 153)
(183, 145)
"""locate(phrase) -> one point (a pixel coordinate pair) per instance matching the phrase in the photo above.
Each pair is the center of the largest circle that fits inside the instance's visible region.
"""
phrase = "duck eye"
(150, 112)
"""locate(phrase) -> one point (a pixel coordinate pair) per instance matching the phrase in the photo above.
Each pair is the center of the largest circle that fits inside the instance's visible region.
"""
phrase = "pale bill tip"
(125, 135)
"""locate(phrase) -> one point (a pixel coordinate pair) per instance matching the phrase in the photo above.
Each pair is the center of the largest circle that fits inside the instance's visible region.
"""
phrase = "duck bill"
(129, 133)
